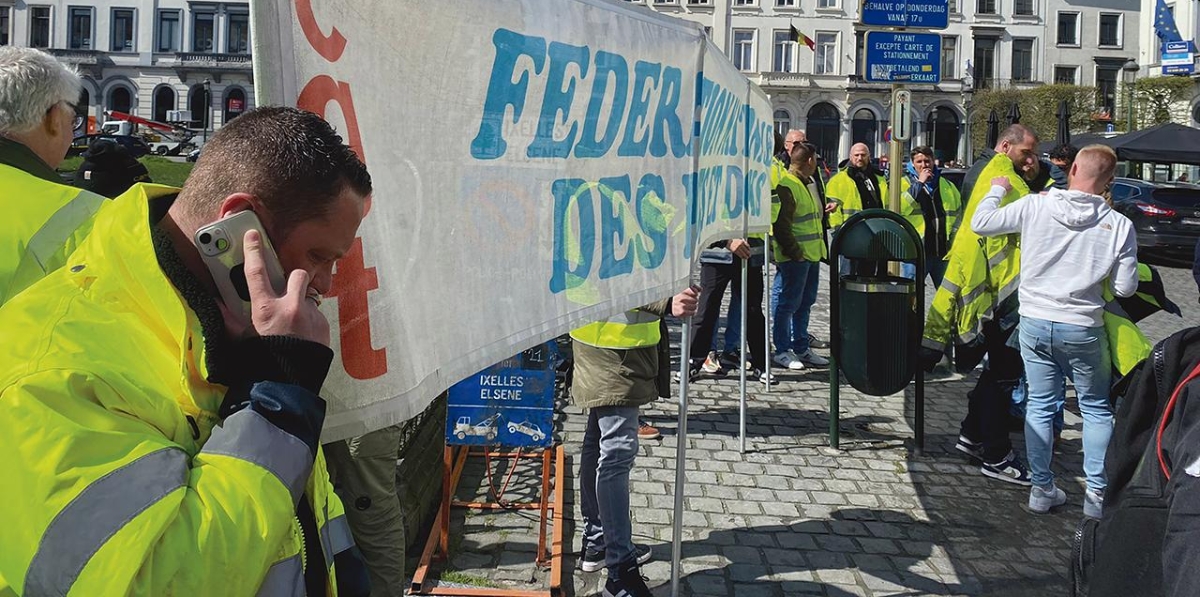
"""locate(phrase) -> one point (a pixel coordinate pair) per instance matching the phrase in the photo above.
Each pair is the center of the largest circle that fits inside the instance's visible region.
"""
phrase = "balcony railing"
(213, 60)
(77, 57)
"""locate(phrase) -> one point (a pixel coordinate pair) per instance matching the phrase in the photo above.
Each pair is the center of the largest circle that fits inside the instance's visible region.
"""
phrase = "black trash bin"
(877, 318)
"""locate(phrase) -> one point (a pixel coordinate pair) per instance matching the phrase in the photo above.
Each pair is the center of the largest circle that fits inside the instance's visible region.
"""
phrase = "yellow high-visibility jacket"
(119, 477)
(43, 223)
(841, 190)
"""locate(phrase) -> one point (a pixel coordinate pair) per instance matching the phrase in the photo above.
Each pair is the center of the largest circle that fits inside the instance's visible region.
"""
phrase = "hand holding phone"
(295, 312)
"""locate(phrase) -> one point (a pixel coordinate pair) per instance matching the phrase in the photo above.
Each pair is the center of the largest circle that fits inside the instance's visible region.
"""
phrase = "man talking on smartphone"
(156, 442)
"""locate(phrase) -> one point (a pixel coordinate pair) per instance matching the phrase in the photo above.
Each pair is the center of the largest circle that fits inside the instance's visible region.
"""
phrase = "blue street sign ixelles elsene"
(901, 57)
(508, 404)
(929, 14)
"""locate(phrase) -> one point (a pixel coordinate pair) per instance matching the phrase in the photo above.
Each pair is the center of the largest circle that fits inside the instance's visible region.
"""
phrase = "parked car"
(955, 176)
(1166, 215)
(136, 146)
(193, 155)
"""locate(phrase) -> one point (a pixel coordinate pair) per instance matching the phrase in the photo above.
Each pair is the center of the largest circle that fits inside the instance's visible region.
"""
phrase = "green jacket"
(615, 377)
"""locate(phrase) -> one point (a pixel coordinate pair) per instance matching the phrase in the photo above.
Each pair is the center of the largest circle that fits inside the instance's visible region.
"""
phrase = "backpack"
(1123, 553)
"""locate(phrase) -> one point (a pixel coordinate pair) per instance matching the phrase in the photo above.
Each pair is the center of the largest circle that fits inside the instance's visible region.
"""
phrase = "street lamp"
(968, 92)
(933, 119)
(1129, 73)
(207, 107)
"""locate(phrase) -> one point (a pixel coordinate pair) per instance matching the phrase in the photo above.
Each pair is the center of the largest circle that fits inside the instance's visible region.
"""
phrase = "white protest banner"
(533, 164)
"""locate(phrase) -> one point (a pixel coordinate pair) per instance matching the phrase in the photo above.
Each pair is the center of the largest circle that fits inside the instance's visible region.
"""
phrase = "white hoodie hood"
(1076, 209)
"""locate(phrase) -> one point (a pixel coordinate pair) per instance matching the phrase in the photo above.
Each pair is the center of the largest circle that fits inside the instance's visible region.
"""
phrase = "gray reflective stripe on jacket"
(99, 512)
(336, 537)
(284, 579)
(51, 237)
(249, 436)
(633, 317)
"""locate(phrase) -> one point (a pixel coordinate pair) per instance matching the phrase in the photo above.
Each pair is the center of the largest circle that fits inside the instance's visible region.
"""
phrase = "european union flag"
(1164, 23)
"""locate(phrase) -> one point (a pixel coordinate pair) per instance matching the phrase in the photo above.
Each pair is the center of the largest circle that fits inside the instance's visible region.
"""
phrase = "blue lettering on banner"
(595, 103)
(508, 404)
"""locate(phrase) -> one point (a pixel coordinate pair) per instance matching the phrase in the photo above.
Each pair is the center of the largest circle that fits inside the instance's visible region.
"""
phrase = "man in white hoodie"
(1072, 245)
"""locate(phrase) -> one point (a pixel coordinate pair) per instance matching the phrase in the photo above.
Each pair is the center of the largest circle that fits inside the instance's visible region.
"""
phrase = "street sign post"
(929, 14)
(901, 114)
(901, 57)
(508, 404)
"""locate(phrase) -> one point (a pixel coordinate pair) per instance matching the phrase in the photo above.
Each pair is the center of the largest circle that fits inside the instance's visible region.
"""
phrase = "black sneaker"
(1009, 470)
(593, 559)
(813, 342)
(970, 448)
(628, 583)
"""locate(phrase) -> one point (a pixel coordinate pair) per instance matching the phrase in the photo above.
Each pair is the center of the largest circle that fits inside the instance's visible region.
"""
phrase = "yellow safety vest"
(806, 223)
(982, 272)
(1127, 345)
(120, 478)
(43, 224)
(634, 328)
(842, 191)
(911, 210)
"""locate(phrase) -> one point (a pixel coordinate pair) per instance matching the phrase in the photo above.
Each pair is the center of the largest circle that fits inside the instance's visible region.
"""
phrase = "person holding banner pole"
(618, 368)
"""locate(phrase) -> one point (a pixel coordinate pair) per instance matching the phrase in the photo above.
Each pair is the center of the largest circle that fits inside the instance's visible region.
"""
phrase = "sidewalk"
(794, 517)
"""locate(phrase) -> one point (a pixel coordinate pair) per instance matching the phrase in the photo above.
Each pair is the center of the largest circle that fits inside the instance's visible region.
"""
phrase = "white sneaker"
(788, 360)
(812, 359)
(1042, 500)
(1093, 503)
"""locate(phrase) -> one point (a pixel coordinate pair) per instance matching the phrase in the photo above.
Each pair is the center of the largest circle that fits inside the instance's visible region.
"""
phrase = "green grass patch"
(462, 578)
(162, 170)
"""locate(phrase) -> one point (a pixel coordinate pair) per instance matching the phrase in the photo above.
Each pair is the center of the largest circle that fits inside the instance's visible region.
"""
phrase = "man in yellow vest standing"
(159, 440)
(618, 368)
(858, 186)
(1074, 247)
(936, 209)
(44, 219)
(975, 310)
(799, 245)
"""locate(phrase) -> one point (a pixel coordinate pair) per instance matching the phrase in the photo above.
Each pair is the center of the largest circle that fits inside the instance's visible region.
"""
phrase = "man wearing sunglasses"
(44, 218)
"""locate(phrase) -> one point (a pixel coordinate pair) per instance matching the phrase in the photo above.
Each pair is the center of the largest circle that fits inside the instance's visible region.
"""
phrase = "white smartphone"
(220, 245)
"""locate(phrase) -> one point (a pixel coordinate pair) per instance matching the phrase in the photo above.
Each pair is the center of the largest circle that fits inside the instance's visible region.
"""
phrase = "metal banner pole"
(685, 342)
(767, 311)
(744, 346)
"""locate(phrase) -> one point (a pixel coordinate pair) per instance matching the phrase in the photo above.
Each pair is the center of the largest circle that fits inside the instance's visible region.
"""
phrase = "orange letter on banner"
(352, 280)
(330, 48)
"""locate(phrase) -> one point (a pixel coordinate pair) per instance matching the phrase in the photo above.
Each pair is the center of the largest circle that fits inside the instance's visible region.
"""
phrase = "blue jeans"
(733, 323)
(610, 444)
(793, 294)
(1052, 351)
(1020, 396)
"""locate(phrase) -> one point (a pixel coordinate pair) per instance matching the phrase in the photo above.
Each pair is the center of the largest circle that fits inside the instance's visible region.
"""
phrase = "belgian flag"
(802, 38)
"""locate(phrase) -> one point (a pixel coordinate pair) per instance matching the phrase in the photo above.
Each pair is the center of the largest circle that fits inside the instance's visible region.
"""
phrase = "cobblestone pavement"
(794, 517)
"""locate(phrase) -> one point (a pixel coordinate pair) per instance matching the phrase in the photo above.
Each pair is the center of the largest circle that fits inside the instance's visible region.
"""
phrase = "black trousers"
(988, 404)
(714, 279)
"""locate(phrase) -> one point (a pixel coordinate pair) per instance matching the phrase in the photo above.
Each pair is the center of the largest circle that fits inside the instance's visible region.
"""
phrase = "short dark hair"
(1016, 133)
(924, 150)
(802, 151)
(292, 161)
(779, 146)
(1065, 152)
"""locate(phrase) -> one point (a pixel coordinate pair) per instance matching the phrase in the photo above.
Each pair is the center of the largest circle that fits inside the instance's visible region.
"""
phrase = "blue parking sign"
(508, 404)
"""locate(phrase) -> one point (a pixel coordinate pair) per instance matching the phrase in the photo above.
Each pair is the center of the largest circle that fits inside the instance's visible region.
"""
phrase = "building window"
(985, 7)
(239, 33)
(39, 26)
(200, 105)
(700, 2)
(1068, 28)
(120, 99)
(824, 130)
(953, 6)
(1110, 30)
(1106, 87)
(827, 3)
(164, 102)
(825, 61)
(1022, 60)
(783, 121)
(785, 53)
(204, 31)
(1023, 8)
(743, 49)
(985, 62)
(122, 30)
(785, 3)
(235, 104)
(745, 2)
(949, 56)
(1065, 75)
(168, 31)
(5, 24)
(864, 128)
(81, 28)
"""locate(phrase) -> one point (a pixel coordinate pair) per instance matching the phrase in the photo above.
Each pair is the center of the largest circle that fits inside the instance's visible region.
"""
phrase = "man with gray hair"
(44, 218)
